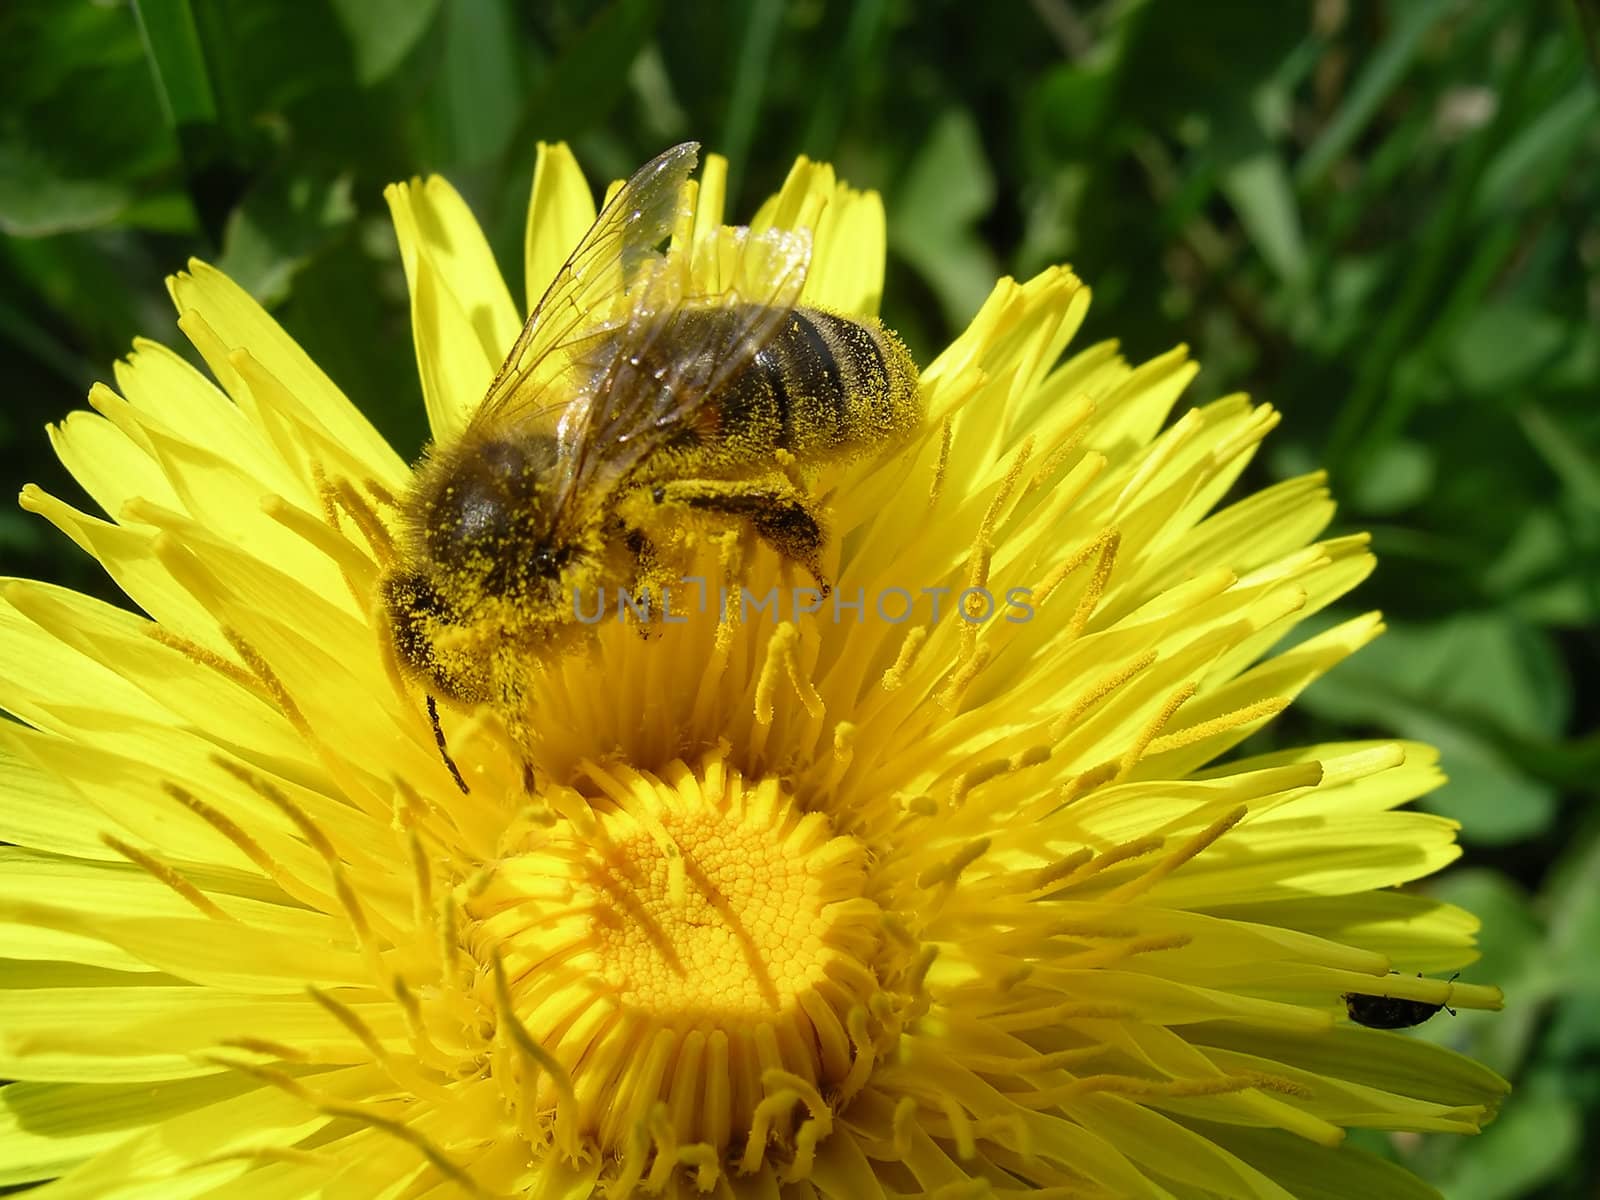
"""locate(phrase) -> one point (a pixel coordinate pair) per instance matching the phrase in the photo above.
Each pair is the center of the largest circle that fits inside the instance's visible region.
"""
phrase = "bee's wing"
(664, 363)
(619, 251)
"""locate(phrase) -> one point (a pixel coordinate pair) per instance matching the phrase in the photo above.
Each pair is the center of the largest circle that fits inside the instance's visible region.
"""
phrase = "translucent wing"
(681, 343)
(587, 296)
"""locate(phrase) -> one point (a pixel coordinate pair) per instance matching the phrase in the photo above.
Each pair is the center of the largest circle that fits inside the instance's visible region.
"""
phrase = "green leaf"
(1537, 575)
(1534, 1142)
(18, 535)
(851, 64)
(279, 227)
(1379, 77)
(1571, 1034)
(1572, 900)
(1070, 104)
(84, 275)
(1565, 454)
(1512, 936)
(752, 68)
(382, 32)
(477, 94)
(1470, 685)
(178, 61)
(1535, 160)
(948, 187)
(583, 85)
(36, 200)
(81, 133)
(1501, 346)
(1399, 475)
(1257, 185)
(200, 116)
(1375, 410)
(1512, 940)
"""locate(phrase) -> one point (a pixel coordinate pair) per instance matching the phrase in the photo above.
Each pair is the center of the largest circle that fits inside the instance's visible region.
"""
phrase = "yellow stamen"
(167, 876)
(702, 955)
(1261, 710)
(941, 464)
(209, 659)
(909, 645)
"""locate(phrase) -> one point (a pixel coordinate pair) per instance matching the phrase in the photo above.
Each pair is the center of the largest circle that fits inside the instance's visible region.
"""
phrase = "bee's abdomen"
(824, 386)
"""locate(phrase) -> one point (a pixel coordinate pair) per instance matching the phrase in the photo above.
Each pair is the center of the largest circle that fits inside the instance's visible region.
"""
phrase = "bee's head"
(485, 517)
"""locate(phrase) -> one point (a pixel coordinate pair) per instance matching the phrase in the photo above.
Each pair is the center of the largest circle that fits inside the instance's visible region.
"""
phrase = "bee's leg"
(778, 511)
(634, 558)
(444, 749)
(632, 546)
(647, 574)
(510, 724)
(646, 562)
(791, 529)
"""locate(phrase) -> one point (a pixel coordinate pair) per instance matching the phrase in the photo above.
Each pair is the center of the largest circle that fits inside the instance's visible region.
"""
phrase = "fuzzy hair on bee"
(637, 403)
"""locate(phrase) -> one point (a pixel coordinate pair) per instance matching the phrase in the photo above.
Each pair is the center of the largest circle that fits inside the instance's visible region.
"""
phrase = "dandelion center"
(731, 928)
(696, 953)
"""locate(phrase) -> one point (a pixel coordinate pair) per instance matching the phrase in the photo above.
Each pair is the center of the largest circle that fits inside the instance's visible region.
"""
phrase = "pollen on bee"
(722, 407)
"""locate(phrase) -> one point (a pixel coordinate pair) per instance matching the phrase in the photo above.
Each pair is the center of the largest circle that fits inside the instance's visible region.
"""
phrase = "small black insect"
(1391, 1012)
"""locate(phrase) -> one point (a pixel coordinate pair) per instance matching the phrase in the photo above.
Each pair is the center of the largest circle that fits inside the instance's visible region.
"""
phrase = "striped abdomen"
(824, 387)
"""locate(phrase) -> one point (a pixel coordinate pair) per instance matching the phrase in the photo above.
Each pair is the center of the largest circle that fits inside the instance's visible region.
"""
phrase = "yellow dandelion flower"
(822, 898)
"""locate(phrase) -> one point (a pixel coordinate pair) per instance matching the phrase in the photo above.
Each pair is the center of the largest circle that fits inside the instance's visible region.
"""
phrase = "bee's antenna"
(444, 750)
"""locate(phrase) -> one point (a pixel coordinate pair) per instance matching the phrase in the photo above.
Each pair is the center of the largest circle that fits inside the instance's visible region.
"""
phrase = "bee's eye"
(546, 561)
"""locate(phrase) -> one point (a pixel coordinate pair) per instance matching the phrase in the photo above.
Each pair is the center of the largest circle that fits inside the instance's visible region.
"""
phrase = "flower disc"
(693, 940)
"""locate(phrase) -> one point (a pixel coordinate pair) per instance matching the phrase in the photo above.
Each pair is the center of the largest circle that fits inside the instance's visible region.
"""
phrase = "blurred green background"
(1382, 217)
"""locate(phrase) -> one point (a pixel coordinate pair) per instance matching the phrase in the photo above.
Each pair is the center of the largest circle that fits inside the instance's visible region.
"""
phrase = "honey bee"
(635, 403)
